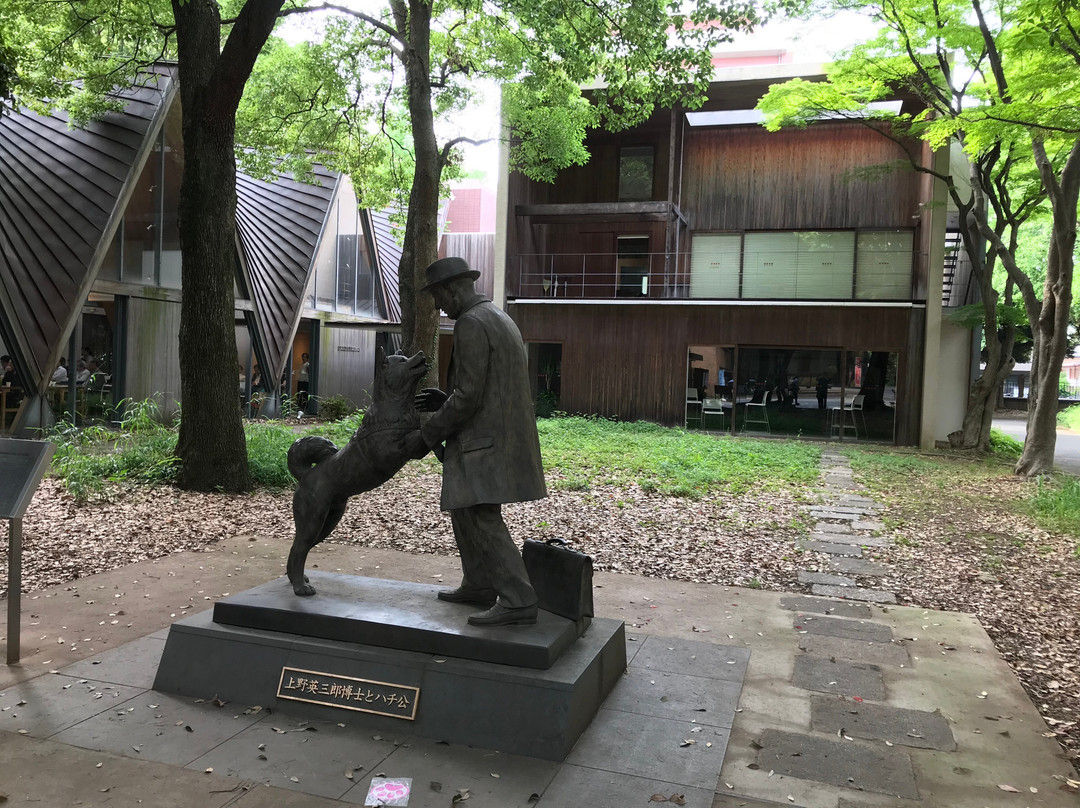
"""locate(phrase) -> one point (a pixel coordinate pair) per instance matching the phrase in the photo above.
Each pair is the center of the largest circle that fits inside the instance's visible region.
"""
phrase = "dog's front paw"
(304, 590)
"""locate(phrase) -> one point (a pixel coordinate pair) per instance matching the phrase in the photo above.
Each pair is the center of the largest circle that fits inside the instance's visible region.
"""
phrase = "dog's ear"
(380, 357)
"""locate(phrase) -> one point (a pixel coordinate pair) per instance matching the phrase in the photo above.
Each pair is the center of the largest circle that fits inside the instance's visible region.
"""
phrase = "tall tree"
(1001, 85)
(417, 62)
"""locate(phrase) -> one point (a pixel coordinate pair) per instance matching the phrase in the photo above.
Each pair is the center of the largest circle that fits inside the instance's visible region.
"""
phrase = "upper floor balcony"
(866, 265)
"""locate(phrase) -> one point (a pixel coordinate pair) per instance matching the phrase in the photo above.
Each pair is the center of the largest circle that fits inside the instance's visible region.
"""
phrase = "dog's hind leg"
(333, 516)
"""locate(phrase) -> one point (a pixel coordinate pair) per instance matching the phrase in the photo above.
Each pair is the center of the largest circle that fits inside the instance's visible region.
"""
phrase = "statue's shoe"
(481, 597)
(499, 615)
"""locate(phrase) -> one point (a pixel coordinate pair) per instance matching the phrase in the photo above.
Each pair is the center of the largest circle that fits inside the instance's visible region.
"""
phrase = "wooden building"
(698, 264)
(90, 265)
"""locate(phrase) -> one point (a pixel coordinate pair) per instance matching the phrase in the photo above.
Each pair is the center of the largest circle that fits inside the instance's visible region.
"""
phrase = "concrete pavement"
(801, 735)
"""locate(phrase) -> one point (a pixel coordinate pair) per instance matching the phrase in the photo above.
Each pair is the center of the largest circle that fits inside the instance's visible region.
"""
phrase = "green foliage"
(267, 448)
(1070, 417)
(1005, 446)
(1056, 504)
(334, 408)
(546, 404)
(592, 451)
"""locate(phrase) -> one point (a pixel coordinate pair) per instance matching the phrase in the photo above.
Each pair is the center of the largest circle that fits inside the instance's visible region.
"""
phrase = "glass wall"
(345, 281)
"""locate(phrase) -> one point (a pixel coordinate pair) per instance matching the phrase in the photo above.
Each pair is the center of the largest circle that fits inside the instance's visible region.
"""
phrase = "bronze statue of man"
(492, 451)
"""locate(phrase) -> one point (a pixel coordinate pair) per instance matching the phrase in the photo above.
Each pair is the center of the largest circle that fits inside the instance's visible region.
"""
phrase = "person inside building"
(60, 375)
(303, 382)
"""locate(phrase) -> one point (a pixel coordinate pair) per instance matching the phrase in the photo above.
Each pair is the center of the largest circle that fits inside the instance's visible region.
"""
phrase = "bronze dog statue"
(327, 476)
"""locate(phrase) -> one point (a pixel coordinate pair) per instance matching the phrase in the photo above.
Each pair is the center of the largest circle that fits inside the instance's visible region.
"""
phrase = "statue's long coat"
(488, 422)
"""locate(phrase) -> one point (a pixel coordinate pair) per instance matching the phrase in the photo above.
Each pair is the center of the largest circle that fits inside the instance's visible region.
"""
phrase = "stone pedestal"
(460, 681)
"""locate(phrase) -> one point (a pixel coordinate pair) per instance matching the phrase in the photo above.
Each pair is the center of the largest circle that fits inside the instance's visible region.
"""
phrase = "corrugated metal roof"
(388, 256)
(279, 224)
(58, 189)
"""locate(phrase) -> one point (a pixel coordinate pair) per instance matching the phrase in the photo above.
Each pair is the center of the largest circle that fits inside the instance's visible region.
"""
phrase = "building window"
(635, 173)
(633, 266)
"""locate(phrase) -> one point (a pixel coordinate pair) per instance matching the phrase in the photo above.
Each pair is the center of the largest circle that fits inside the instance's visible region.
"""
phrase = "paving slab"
(317, 753)
(134, 663)
(54, 702)
(832, 548)
(577, 785)
(845, 510)
(703, 659)
(709, 702)
(156, 726)
(626, 743)
(875, 653)
(829, 515)
(859, 539)
(832, 527)
(881, 722)
(863, 630)
(825, 675)
(867, 524)
(806, 577)
(839, 763)
(837, 608)
(46, 774)
(460, 767)
(857, 566)
(854, 593)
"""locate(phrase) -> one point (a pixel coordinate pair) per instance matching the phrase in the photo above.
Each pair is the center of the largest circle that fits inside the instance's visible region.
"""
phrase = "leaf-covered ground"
(963, 543)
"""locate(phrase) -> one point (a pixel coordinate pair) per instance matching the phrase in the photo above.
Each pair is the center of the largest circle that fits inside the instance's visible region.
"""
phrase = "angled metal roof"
(61, 191)
(279, 224)
(388, 256)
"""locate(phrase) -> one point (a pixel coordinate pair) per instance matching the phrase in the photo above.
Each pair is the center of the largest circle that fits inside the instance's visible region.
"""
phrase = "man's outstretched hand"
(429, 399)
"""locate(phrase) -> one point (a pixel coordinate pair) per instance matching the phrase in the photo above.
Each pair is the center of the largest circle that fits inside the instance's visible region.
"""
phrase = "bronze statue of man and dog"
(483, 429)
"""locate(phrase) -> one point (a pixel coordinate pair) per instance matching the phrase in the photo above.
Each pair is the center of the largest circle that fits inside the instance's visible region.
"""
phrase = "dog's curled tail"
(308, 452)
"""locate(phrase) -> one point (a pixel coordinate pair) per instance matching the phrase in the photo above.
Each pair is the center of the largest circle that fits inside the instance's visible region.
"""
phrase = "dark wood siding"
(629, 361)
(745, 178)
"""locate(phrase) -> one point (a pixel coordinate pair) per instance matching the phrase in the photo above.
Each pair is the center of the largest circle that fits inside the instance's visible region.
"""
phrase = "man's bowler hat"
(446, 269)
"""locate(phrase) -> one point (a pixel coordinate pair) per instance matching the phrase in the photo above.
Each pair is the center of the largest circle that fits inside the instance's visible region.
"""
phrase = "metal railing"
(779, 276)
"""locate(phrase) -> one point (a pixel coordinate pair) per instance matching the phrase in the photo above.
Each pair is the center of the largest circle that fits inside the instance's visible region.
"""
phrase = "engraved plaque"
(349, 693)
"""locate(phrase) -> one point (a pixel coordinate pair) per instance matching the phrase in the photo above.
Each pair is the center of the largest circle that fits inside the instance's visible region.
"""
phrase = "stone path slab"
(857, 566)
(839, 763)
(824, 578)
(832, 548)
(603, 788)
(832, 527)
(867, 525)
(880, 722)
(660, 654)
(855, 593)
(840, 627)
(825, 675)
(709, 702)
(861, 539)
(837, 608)
(874, 653)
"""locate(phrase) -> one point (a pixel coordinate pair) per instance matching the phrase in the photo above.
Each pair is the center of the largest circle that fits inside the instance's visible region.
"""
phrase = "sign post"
(22, 465)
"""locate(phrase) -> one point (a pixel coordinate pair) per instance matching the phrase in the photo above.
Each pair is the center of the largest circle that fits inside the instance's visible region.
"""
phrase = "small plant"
(334, 408)
(546, 404)
(1056, 504)
(1005, 446)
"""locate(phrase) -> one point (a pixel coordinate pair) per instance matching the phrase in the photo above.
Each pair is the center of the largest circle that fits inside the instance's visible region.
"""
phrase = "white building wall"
(953, 379)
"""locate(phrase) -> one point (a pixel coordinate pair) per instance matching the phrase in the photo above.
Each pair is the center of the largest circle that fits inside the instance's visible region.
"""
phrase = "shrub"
(1005, 446)
(334, 408)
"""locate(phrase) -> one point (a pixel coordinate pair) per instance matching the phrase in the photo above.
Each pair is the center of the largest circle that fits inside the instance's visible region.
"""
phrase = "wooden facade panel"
(630, 361)
(153, 352)
(745, 178)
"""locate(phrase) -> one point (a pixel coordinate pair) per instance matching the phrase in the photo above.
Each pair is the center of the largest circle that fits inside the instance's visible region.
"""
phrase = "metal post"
(14, 589)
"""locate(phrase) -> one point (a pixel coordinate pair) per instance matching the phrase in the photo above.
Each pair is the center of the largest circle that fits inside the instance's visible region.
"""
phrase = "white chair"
(712, 406)
(856, 406)
(841, 419)
(692, 400)
(757, 413)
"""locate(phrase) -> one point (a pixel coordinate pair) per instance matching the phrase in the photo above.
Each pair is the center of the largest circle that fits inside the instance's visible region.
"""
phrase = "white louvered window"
(883, 270)
(769, 265)
(714, 265)
(824, 265)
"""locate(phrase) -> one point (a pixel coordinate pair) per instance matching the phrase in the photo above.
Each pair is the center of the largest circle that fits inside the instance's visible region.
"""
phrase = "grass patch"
(1005, 446)
(1070, 417)
(592, 451)
(1056, 504)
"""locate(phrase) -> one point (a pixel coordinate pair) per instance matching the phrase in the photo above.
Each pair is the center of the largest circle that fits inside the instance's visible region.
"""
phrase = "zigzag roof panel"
(279, 224)
(58, 188)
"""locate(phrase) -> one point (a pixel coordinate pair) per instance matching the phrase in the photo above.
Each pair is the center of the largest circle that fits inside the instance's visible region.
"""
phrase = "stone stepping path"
(855, 739)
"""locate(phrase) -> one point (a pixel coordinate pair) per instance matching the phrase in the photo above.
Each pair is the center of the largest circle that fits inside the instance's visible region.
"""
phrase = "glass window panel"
(635, 173)
(173, 157)
(140, 226)
(326, 265)
(883, 271)
(825, 263)
(714, 265)
(769, 265)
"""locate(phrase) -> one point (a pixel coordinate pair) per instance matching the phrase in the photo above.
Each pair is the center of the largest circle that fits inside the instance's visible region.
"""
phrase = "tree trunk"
(211, 446)
(1050, 328)
(419, 317)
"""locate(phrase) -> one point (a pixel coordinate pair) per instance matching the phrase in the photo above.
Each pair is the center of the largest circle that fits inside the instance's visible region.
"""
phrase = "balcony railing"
(775, 275)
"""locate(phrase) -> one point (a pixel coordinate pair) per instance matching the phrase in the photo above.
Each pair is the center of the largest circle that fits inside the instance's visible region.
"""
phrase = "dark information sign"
(22, 464)
(348, 693)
